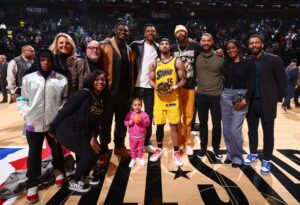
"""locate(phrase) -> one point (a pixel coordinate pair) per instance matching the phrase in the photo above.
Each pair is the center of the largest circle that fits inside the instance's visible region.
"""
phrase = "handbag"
(237, 98)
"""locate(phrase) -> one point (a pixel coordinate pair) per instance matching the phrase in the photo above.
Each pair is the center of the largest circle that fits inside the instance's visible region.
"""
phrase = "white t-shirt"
(143, 76)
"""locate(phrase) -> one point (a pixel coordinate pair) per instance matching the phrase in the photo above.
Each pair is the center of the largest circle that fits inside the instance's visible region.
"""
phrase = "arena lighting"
(145, 1)
(162, 2)
(295, 5)
(179, 2)
(211, 4)
(276, 6)
(128, 1)
(195, 3)
(243, 5)
(259, 6)
(228, 4)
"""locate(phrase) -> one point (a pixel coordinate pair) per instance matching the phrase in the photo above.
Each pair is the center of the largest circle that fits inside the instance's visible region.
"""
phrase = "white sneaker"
(32, 195)
(79, 186)
(189, 150)
(142, 161)
(156, 155)
(178, 159)
(150, 148)
(60, 180)
(94, 180)
(131, 163)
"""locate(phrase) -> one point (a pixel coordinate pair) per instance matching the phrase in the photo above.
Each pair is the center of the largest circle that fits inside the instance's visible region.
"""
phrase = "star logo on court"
(180, 173)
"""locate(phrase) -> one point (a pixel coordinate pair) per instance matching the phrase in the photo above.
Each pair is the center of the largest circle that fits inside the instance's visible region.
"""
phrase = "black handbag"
(237, 98)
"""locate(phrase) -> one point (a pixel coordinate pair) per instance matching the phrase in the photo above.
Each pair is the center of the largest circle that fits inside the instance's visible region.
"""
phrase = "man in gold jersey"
(166, 69)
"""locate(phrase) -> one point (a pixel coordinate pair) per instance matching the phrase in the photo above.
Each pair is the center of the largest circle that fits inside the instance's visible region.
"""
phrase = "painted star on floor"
(180, 173)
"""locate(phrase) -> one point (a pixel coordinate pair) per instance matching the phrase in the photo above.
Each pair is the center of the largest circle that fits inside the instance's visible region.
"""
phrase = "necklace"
(180, 51)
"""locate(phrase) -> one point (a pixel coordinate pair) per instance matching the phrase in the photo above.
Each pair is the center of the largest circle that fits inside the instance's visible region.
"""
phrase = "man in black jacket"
(271, 82)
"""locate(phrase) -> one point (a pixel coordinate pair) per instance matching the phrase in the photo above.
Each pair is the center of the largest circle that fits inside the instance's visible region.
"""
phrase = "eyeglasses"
(93, 48)
(29, 50)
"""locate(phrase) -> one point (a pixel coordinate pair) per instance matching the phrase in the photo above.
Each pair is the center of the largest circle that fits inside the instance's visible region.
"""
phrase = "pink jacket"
(137, 129)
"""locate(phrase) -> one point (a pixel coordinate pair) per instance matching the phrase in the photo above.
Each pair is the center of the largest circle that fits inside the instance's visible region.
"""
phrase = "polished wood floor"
(205, 181)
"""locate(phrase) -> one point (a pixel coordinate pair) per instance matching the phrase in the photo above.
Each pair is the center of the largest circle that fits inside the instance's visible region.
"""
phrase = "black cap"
(46, 53)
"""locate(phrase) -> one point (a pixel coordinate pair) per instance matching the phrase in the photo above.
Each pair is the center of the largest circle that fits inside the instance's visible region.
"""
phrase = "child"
(137, 121)
(43, 93)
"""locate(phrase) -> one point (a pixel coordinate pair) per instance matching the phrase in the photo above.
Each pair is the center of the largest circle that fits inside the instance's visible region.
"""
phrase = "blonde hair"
(53, 46)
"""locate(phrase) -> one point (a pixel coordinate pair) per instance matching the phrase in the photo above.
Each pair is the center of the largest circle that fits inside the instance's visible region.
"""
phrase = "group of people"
(73, 101)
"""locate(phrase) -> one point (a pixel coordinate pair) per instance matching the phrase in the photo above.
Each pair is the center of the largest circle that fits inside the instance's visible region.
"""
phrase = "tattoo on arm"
(152, 75)
(181, 73)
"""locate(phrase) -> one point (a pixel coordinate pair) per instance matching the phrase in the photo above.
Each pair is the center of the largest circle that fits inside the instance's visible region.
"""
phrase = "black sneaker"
(218, 155)
(201, 154)
(79, 186)
(227, 161)
(94, 181)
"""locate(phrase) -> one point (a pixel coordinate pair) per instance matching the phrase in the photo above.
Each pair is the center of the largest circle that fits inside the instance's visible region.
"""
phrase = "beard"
(164, 52)
(206, 48)
(181, 38)
(256, 51)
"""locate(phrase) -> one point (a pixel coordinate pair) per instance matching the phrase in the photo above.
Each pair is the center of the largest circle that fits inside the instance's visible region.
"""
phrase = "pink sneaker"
(178, 159)
(156, 155)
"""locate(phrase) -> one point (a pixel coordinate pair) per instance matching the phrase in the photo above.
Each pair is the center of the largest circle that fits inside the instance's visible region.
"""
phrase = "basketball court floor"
(206, 181)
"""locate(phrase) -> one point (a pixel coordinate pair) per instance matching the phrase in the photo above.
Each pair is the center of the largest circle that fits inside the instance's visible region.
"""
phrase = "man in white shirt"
(145, 51)
(16, 69)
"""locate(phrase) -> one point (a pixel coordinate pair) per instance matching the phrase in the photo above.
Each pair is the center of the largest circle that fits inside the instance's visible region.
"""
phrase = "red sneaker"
(60, 180)
(32, 195)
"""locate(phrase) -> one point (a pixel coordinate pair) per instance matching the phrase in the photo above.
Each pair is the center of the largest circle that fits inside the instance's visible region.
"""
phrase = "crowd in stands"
(282, 37)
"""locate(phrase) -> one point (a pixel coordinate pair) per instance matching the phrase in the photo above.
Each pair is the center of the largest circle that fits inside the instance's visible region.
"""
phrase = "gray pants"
(232, 125)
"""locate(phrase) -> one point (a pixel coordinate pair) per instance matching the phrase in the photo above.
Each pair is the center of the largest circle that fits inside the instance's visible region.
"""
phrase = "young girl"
(137, 122)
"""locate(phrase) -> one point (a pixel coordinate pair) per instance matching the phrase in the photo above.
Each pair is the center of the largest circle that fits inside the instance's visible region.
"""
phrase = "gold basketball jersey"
(166, 72)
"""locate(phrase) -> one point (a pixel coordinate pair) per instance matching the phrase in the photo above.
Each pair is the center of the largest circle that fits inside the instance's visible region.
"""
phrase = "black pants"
(254, 114)
(296, 97)
(35, 141)
(75, 142)
(147, 94)
(204, 104)
(117, 106)
(3, 85)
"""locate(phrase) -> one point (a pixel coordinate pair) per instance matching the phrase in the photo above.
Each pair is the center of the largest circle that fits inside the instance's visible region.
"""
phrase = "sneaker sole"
(249, 163)
(32, 202)
(83, 191)
(265, 173)
(94, 183)
(200, 157)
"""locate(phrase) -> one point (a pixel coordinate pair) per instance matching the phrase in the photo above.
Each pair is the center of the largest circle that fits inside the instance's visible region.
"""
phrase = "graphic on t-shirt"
(188, 58)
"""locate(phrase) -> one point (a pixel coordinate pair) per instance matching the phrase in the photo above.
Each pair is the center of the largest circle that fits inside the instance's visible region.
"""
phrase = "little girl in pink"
(137, 122)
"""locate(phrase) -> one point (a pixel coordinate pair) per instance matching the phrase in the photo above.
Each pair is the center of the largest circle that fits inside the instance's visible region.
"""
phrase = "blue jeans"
(289, 96)
(232, 125)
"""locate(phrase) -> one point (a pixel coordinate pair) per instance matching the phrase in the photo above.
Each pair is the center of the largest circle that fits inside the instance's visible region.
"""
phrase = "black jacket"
(273, 83)
(137, 47)
(3, 73)
(75, 114)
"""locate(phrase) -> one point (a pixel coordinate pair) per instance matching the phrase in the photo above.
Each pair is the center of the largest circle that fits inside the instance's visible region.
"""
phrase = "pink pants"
(136, 146)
